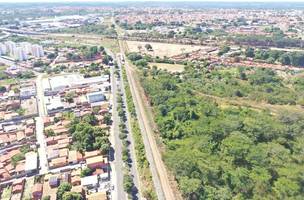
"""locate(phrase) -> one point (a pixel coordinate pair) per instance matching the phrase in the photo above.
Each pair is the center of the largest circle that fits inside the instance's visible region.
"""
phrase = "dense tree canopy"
(87, 136)
(224, 151)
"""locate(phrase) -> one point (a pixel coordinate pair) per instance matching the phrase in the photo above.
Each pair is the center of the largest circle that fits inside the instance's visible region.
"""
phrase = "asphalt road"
(158, 169)
(116, 162)
(133, 168)
(40, 126)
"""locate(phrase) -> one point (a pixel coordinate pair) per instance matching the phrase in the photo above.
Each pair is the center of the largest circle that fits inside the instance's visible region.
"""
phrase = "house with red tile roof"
(37, 191)
(18, 186)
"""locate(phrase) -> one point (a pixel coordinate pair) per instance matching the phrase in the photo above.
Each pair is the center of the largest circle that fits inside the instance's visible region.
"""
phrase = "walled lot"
(163, 49)
(28, 188)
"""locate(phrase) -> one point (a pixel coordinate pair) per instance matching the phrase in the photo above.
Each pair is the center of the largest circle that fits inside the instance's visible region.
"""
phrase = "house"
(89, 154)
(20, 135)
(29, 131)
(63, 153)
(37, 191)
(30, 122)
(18, 186)
(53, 181)
(75, 180)
(90, 182)
(47, 121)
(58, 162)
(74, 157)
(97, 162)
(79, 189)
(52, 153)
(50, 141)
(20, 168)
(76, 172)
(66, 177)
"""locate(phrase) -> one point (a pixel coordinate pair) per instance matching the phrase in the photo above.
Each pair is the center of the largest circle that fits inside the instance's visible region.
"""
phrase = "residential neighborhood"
(151, 100)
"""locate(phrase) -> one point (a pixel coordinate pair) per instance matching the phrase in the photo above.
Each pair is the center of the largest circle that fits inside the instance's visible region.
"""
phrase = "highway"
(42, 151)
(134, 168)
(116, 162)
(159, 173)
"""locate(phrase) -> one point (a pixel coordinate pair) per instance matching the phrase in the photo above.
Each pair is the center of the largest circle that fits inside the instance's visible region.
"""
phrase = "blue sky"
(10, 1)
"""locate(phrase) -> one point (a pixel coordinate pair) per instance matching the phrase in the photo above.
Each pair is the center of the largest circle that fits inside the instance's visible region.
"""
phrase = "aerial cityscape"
(151, 100)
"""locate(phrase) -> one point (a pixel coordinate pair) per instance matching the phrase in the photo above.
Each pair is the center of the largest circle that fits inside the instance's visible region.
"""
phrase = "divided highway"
(158, 169)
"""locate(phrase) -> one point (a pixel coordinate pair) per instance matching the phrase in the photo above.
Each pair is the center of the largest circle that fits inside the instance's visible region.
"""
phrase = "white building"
(31, 162)
(96, 97)
(10, 46)
(26, 46)
(89, 181)
(53, 104)
(20, 54)
(27, 92)
(3, 49)
(37, 51)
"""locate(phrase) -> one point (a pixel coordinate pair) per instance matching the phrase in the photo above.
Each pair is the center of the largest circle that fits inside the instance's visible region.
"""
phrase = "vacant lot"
(28, 188)
(78, 40)
(6, 193)
(169, 67)
(162, 49)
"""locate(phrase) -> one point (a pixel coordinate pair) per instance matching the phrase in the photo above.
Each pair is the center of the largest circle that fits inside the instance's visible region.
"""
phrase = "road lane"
(158, 169)
(116, 163)
(40, 126)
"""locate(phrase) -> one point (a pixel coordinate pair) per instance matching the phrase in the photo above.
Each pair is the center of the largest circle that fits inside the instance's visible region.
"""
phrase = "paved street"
(158, 169)
(116, 157)
(40, 127)
(133, 168)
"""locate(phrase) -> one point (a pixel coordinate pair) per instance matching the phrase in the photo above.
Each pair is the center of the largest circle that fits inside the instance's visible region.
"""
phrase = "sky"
(39, 1)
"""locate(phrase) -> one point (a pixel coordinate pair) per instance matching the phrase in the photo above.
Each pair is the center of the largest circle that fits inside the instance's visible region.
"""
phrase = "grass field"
(169, 67)
(8, 81)
(78, 40)
(162, 49)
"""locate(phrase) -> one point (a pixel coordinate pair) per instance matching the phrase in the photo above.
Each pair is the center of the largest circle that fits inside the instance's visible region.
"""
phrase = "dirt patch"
(162, 49)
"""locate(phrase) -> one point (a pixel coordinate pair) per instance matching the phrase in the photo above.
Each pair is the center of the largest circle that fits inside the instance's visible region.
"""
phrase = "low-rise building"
(31, 162)
(37, 191)
(97, 162)
(90, 182)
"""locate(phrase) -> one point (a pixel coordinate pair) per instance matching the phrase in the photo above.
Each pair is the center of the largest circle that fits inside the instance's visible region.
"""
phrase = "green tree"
(149, 47)
(249, 52)
(285, 59)
(69, 97)
(236, 146)
(63, 188)
(127, 183)
(46, 197)
(189, 186)
(2, 89)
(72, 196)
(86, 172)
(285, 188)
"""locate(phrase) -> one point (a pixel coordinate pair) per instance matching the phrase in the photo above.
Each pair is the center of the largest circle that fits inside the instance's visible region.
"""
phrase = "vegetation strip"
(142, 162)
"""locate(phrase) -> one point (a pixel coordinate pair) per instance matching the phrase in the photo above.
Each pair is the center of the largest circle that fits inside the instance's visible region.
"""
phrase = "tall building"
(27, 47)
(20, 54)
(3, 49)
(37, 51)
(10, 46)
